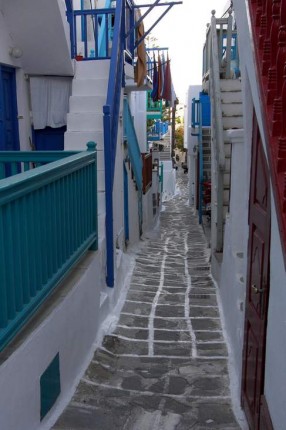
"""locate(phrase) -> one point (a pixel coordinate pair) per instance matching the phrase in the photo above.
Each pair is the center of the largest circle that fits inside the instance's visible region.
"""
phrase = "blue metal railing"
(48, 219)
(133, 146)
(157, 130)
(110, 122)
(102, 31)
(134, 154)
(92, 31)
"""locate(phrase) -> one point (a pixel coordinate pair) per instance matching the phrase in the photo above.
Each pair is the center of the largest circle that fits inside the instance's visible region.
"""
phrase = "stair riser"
(230, 85)
(89, 87)
(87, 104)
(232, 122)
(229, 110)
(85, 121)
(78, 140)
(231, 97)
(97, 69)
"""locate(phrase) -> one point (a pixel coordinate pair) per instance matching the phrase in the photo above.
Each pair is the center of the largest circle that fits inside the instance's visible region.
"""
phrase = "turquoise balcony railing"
(133, 146)
(48, 220)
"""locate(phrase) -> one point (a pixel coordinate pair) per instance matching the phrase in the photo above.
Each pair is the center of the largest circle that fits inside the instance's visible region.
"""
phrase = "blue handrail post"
(91, 147)
(201, 177)
(108, 196)
(70, 19)
(162, 176)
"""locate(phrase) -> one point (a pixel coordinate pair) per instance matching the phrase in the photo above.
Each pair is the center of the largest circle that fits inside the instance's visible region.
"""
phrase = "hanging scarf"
(154, 93)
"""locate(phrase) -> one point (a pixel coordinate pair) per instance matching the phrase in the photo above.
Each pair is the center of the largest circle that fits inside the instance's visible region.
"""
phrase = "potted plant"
(79, 57)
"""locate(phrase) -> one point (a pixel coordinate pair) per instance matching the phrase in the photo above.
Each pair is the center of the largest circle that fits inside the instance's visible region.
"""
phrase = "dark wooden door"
(257, 284)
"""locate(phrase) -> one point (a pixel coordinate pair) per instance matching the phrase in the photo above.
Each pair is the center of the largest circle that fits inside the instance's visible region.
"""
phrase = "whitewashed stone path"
(165, 365)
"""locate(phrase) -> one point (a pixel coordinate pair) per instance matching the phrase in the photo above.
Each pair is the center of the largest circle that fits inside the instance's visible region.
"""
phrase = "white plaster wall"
(41, 30)
(275, 372)
(67, 330)
(137, 102)
(133, 211)
(193, 92)
(150, 219)
(22, 87)
(234, 264)
(169, 181)
(147, 210)
(118, 191)
(24, 119)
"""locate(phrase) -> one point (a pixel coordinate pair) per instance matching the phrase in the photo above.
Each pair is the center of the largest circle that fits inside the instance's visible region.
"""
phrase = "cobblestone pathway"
(165, 365)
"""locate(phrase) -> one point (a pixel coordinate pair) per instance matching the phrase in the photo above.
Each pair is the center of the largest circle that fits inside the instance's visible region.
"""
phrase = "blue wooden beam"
(151, 7)
(136, 6)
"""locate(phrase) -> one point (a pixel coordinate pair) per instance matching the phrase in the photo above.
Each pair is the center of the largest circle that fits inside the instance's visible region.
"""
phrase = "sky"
(183, 31)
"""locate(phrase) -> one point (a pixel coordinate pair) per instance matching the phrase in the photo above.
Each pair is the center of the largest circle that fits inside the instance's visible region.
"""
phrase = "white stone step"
(77, 140)
(232, 122)
(87, 103)
(231, 97)
(85, 121)
(92, 69)
(230, 85)
(230, 109)
(129, 71)
(89, 87)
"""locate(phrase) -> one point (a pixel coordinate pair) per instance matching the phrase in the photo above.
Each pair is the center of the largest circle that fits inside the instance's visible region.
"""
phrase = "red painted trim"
(268, 20)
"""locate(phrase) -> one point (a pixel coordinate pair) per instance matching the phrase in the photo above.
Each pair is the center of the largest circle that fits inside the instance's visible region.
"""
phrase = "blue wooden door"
(9, 133)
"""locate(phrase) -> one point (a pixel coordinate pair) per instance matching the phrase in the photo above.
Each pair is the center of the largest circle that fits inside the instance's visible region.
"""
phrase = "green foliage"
(179, 138)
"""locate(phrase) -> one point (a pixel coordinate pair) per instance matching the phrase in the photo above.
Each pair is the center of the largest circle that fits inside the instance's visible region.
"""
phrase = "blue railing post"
(91, 147)
(201, 177)
(108, 196)
(70, 19)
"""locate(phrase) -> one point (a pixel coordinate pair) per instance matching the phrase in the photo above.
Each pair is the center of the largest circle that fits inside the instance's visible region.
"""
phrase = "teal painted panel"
(133, 146)
(50, 386)
(48, 219)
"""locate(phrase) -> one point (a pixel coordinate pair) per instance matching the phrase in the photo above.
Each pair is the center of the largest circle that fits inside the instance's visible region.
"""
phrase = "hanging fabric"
(140, 68)
(154, 93)
(159, 91)
(163, 67)
(167, 90)
(50, 101)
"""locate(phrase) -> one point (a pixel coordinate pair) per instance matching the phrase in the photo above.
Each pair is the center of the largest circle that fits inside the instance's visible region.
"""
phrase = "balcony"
(48, 220)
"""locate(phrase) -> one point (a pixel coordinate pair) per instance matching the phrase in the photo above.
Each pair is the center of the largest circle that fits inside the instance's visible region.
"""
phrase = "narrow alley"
(165, 365)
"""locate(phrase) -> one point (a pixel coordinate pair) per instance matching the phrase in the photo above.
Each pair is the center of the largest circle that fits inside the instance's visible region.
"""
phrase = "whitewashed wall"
(133, 211)
(137, 102)
(275, 373)
(48, 28)
(193, 92)
(6, 43)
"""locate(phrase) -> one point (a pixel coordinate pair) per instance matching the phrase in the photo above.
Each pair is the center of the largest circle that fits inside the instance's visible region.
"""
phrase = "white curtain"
(50, 101)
